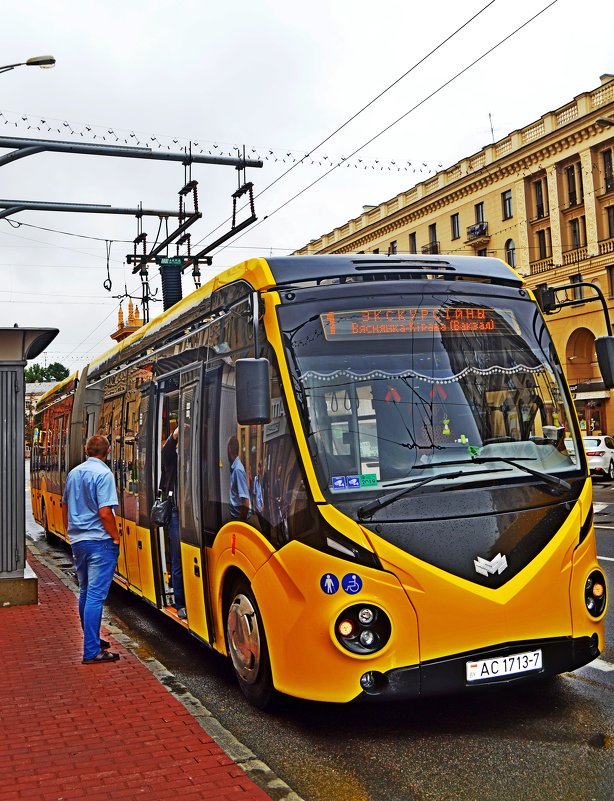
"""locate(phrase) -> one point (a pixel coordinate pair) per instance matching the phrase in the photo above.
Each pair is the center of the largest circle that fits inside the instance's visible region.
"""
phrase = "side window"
(609, 442)
(188, 462)
(143, 458)
(266, 455)
(278, 487)
(130, 461)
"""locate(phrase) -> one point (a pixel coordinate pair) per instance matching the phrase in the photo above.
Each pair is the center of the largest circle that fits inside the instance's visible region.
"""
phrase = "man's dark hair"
(233, 446)
(97, 446)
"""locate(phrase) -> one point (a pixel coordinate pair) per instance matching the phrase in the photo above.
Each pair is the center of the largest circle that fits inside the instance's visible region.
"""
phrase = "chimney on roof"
(606, 78)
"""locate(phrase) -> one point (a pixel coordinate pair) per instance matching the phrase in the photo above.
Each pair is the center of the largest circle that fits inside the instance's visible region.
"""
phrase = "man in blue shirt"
(89, 520)
(239, 489)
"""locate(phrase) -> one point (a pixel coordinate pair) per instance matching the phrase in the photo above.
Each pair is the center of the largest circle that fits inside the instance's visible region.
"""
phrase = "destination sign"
(417, 321)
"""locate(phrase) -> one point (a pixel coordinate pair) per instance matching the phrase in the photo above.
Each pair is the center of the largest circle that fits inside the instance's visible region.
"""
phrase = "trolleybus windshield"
(392, 388)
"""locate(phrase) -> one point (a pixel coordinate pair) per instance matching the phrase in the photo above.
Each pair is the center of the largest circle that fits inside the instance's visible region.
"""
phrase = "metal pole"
(26, 147)
(13, 206)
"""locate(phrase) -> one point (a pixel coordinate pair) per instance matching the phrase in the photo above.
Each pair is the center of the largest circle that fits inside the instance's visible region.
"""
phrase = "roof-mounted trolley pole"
(18, 582)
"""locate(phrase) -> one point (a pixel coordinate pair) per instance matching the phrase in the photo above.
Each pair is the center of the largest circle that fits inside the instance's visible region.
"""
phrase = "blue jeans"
(95, 561)
(176, 571)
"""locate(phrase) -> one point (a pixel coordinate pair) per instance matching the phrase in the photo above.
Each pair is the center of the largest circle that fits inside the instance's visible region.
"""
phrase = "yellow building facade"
(542, 199)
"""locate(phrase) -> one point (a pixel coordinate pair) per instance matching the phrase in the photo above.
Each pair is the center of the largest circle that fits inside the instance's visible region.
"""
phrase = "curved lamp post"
(45, 62)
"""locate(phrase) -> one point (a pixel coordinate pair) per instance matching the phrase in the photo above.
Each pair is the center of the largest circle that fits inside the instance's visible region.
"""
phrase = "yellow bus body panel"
(148, 585)
(129, 555)
(193, 588)
(433, 614)
(300, 618)
(456, 615)
(237, 546)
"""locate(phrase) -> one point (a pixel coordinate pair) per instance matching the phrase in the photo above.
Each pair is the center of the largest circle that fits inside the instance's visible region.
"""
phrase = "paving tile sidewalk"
(96, 732)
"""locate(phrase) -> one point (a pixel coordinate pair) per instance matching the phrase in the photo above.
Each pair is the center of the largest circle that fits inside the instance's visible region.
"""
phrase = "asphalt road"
(549, 741)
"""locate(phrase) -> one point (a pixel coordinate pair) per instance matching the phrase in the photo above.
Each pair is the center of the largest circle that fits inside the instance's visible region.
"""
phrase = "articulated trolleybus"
(416, 524)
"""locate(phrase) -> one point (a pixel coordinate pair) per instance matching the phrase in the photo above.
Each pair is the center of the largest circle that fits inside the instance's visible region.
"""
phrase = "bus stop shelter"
(18, 583)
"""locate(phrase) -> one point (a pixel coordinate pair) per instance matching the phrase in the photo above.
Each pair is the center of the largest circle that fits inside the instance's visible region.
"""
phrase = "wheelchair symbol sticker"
(329, 583)
(351, 583)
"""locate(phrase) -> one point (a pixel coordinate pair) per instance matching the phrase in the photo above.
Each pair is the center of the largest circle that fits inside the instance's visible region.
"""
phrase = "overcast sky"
(276, 76)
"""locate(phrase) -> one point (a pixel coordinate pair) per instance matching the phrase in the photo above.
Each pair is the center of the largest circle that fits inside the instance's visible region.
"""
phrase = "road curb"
(257, 770)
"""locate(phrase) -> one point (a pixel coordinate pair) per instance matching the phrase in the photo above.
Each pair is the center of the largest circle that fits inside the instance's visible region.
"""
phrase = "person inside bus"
(239, 489)
(257, 493)
(168, 484)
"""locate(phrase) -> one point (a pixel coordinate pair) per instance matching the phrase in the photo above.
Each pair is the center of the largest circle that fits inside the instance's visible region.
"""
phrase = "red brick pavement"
(97, 732)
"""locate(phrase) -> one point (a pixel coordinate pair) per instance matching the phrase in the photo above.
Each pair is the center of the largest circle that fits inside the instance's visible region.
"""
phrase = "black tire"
(49, 536)
(247, 646)
(611, 471)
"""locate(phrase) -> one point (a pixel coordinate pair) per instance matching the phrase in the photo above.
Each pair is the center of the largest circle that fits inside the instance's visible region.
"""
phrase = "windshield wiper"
(559, 483)
(379, 503)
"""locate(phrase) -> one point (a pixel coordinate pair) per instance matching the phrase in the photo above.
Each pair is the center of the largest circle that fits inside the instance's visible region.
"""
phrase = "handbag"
(161, 511)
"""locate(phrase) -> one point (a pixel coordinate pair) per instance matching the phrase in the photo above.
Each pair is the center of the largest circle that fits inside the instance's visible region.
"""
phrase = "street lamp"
(45, 62)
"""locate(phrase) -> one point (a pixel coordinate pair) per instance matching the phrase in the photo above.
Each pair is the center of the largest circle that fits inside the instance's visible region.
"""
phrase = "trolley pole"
(18, 582)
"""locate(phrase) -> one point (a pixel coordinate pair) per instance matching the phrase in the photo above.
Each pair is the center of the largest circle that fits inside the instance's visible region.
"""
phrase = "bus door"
(189, 479)
(167, 422)
(111, 427)
(54, 484)
(129, 488)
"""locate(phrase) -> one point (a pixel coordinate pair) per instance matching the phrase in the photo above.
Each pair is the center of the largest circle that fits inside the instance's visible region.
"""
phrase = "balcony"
(432, 247)
(575, 256)
(477, 235)
(541, 265)
(606, 246)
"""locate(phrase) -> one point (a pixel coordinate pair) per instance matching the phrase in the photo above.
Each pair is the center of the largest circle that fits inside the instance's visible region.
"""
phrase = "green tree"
(57, 372)
(53, 372)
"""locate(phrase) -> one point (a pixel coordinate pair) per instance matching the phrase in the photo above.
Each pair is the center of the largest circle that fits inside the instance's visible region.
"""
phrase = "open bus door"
(189, 482)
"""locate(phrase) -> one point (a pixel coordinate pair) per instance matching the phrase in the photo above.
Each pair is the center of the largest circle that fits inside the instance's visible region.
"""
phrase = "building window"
(506, 204)
(608, 170)
(455, 226)
(393, 247)
(510, 252)
(572, 196)
(542, 244)
(576, 231)
(538, 195)
(610, 271)
(610, 216)
(433, 245)
(479, 212)
(482, 252)
(413, 247)
(376, 250)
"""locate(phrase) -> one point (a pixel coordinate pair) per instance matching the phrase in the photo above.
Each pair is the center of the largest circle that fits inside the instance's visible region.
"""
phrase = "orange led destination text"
(368, 322)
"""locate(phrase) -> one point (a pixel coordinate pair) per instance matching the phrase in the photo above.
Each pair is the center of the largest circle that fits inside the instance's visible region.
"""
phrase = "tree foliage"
(36, 373)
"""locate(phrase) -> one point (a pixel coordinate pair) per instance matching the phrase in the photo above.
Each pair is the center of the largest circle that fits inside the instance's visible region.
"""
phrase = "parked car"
(600, 455)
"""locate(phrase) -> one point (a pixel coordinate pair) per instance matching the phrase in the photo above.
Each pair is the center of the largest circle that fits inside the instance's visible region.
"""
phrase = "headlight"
(363, 629)
(595, 593)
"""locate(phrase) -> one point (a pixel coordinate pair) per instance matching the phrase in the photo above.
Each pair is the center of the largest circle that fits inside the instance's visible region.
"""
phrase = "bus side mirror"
(253, 391)
(604, 346)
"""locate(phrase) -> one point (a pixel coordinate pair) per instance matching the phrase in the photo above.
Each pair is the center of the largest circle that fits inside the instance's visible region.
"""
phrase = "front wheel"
(247, 646)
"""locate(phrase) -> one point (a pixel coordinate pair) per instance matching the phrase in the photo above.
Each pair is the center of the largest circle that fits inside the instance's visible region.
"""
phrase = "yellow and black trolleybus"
(416, 523)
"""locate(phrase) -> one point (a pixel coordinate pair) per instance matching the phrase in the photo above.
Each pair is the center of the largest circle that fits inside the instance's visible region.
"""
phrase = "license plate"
(481, 669)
